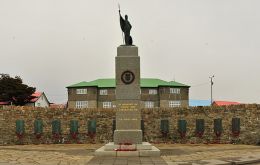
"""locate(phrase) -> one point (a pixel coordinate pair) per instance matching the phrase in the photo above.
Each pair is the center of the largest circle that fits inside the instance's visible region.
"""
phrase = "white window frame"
(174, 103)
(82, 91)
(149, 104)
(103, 92)
(175, 90)
(81, 104)
(153, 91)
(107, 104)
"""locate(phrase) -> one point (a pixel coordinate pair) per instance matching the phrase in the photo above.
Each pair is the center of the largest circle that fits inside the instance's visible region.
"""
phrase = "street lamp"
(211, 84)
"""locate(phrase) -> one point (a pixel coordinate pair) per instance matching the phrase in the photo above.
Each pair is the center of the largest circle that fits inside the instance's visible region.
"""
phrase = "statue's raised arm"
(126, 27)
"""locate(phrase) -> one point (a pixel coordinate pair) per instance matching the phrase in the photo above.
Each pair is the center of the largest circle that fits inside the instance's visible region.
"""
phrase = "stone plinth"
(128, 116)
(128, 136)
(128, 127)
(143, 149)
(126, 120)
(127, 51)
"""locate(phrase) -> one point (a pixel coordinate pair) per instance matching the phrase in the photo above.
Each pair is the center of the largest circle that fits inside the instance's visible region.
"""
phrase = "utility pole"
(211, 84)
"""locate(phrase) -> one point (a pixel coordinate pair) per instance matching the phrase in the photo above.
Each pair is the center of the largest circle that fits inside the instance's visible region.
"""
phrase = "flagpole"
(211, 84)
(119, 22)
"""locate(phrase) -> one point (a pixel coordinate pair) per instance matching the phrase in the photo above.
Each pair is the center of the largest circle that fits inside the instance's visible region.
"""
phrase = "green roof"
(145, 83)
(153, 82)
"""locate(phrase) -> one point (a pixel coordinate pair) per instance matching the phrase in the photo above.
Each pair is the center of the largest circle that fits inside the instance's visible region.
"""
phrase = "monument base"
(143, 149)
(128, 136)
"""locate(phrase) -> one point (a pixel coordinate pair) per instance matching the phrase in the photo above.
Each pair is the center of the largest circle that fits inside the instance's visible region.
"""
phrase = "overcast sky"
(51, 44)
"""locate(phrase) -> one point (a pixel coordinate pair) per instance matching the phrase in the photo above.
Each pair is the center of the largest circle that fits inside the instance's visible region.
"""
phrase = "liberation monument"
(128, 133)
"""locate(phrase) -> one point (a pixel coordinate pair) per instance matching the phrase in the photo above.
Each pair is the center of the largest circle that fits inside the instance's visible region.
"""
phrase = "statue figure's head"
(126, 17)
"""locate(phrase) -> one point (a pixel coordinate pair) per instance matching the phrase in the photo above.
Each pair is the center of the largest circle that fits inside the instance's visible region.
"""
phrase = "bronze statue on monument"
(126, 27)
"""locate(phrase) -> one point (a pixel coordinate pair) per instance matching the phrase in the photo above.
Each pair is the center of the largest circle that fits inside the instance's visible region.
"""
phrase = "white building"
(40, 100)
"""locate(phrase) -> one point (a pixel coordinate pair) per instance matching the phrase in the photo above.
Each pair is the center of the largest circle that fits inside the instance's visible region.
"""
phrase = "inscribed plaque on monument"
(128, 107)
(128, 120)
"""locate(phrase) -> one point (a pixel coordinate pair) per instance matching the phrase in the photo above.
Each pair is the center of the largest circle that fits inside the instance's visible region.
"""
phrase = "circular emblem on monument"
(127, 77)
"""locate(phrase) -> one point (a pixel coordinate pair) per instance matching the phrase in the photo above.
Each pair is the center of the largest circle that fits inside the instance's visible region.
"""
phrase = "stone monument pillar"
(128, 133)
(128, 94)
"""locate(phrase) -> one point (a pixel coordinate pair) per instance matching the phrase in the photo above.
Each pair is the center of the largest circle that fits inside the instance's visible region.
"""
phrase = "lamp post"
(211, 84)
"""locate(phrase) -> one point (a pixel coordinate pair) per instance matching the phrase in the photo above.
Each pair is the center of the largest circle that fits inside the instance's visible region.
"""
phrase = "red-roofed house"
(40, 100)
(223, 103)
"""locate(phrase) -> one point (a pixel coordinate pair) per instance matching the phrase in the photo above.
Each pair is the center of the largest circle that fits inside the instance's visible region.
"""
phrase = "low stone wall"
(249, 117)
(249, 124)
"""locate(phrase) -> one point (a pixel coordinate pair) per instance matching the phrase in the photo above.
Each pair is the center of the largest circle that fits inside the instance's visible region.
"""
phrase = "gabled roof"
(220, 103)
(110, 83)
(36, 96)
(153, 82)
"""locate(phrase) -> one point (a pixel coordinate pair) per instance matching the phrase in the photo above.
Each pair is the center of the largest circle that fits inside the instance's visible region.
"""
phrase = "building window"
(152, 91)
(107, 104)
(175, 90)
(81, 104)
(148, 104)
(174, 104)
(103, 92)
(82, 91)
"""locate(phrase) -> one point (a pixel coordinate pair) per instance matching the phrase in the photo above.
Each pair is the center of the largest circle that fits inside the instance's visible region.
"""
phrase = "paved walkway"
(172, 154)
(210, 154)
(46, 154)
(127, 161)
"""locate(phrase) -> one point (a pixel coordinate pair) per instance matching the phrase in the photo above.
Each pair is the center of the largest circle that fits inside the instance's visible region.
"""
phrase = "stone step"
(141, 150)
(112, 146)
